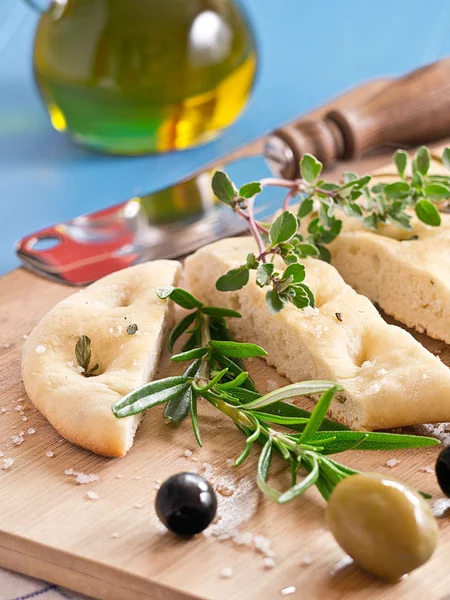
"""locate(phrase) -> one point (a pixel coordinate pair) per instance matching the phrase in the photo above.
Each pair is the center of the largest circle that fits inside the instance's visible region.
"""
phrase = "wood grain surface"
(113, 548)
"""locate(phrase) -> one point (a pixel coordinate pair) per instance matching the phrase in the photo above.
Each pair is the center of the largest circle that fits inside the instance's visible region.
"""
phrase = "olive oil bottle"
(140, 76)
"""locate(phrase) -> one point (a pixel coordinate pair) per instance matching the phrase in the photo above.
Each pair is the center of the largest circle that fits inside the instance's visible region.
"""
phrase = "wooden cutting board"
(113, 548)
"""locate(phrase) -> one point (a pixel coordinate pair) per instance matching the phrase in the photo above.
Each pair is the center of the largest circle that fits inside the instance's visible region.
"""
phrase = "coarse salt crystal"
(68, 472)
(19, 407)
(70, 363)
(309, 311)
(138, 505)
(425, 376)
(392, 462)
(366, 364)
(381, 372)
(269, 563)
(306, 561)
(272, 385)
(6, 346)
(50, 453)
(92, 495)
(3, 409)
(25, 337)
(24, 418)
(230, 462)
(187, 453)
(31, 430)
(17, 439)
(119, 476)
(79, 369)
(111, 330)
(114, 536)
(374, 389)
(119, 329)
(287, 591)
(40, 349)
(83, 478)
(7, 462)
(226, 573)
(427, 469)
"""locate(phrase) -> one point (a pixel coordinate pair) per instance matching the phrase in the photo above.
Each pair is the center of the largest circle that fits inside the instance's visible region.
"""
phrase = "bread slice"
(79, 407)
(390, 380)
(408, 278)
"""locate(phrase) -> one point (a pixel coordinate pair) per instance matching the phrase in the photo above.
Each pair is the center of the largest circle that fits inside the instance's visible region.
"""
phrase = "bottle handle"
(40, 6)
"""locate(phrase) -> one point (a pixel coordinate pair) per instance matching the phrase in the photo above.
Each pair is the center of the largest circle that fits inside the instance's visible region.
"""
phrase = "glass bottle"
(139, 76)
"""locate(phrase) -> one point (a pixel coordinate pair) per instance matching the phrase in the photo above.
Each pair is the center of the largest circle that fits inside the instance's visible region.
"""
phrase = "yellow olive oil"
(138, 76)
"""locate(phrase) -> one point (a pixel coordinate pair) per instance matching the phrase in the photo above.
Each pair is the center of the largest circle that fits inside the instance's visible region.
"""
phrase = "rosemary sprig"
(217, 375)
(318, 200)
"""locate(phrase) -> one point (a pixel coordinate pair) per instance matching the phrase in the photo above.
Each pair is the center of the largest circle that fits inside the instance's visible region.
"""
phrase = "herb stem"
(254, 229)
(205, 338)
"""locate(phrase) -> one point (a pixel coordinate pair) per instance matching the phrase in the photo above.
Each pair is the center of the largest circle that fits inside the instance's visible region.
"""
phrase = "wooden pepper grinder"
(412, 110)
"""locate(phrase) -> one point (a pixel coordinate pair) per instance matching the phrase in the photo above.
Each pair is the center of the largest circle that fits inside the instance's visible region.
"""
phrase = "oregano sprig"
(317, 201)
(217, 375)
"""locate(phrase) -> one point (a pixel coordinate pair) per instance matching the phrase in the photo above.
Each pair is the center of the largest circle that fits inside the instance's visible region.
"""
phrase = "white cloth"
(19, 587)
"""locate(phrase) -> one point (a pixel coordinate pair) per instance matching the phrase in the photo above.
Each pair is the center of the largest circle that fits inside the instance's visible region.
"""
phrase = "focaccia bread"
(79, 407)
(407, 273)
(390, 380)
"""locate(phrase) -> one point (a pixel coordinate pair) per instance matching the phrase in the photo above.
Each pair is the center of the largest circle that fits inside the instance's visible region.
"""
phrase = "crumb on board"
(392, 462)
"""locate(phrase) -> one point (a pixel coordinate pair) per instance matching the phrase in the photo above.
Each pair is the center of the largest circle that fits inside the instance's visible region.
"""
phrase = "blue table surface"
(309, 52)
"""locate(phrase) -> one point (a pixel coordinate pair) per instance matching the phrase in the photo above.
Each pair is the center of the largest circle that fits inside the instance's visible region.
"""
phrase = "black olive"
(443, 471)
(186, 504)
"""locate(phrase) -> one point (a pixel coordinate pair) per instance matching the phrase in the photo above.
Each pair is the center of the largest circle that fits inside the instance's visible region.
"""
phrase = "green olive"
(386, 528)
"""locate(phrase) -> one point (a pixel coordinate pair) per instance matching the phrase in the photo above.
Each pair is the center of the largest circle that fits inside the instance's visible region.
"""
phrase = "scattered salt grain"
(306, 561)
(119, 476)
(226, 573)
(19, 407)
(79, 369)
(230, 462)
(40, 349)
(367, 364)
(70, 363)
(92, 495)
(6, 346)
(3, 409)
(269, 563)
(374, 389)
(309, 311)
(425, 376)
(7, 463)
(187, 453)
(317, 331)
(31, 430)
(111, 330)
(157, 486)
(381, 372)
(24, 418)
(82, 478)
(427, 469)
(119, 329)
(2, 454)
(138, 505)
(68, 472)
(195, 458)
(114, 536)
(25, 337)
(271, 385)
(287, 591)
(392, 462)
(17, 439)
(50, 453)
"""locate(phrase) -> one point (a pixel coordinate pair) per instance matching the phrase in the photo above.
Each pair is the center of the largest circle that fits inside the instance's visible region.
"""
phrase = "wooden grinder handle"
(414, 109)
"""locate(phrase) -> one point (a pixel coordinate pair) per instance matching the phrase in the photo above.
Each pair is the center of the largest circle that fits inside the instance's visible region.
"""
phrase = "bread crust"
(79, 408)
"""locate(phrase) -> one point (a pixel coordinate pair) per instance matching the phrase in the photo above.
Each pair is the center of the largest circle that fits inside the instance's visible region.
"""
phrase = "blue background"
(309, 52)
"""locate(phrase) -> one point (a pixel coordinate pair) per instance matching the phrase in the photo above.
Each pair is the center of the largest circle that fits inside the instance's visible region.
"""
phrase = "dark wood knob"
(414, 109)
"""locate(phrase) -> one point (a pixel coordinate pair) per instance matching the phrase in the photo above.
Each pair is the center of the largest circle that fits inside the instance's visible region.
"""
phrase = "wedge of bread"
(390, 380)
(79, 407)
(407, 273)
